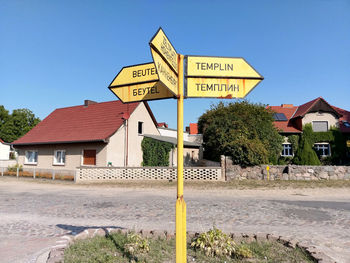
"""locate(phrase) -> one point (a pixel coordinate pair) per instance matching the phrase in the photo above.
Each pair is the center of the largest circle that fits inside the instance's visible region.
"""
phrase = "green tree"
(242, 130)
(17, 124)
(305, 154)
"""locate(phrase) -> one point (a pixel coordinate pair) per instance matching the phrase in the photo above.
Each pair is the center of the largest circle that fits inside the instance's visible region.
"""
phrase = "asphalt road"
(34, 215)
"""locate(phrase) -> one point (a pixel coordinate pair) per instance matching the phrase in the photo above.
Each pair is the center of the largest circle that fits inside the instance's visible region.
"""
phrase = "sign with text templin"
(138, 83)
(165, 59)
(219, 77)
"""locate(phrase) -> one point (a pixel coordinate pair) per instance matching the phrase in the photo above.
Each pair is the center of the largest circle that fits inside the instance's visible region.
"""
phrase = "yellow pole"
(180, 202)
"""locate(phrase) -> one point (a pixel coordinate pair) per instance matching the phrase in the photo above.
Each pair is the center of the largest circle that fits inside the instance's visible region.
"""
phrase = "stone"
(292, 243)
(323, 175)
(260, 237)
(311, 171)
(285, 176)
(347, 176)
(161, 234)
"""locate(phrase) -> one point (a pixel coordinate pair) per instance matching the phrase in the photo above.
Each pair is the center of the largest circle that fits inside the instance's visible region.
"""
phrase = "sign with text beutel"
(139, 83)
(219, 77)
(165, 59)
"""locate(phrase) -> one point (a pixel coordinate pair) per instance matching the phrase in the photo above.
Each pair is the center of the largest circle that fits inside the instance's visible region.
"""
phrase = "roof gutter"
(60, 142)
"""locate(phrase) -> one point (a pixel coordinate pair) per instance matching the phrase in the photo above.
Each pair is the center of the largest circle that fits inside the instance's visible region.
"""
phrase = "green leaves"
(155, 153)
(242, 130)
(17, 124)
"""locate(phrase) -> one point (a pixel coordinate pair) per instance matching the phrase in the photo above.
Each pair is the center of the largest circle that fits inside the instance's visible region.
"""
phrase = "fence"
(147, 173)
(54, 174)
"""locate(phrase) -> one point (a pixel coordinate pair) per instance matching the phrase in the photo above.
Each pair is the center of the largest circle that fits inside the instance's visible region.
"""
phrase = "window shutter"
(320, 126)
(89, 157)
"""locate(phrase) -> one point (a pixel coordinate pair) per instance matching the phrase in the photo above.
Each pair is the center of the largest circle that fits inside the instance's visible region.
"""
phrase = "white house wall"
(116, 151)
(324, 116)
(4, 151)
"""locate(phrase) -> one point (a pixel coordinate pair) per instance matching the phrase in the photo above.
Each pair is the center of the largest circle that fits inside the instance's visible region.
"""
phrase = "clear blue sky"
(55, 54)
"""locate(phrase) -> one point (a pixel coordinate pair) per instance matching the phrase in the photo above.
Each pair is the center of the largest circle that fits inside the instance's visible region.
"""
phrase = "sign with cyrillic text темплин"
(219, 77)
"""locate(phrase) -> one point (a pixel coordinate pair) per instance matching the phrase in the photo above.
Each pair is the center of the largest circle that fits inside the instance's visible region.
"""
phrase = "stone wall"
(283, 172)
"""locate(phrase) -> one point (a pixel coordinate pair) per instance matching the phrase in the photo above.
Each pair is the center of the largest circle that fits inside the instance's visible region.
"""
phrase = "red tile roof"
(285, 126)
(293, 112)
(2, 141)
(305, 108)
(344, 118)
(96, 122)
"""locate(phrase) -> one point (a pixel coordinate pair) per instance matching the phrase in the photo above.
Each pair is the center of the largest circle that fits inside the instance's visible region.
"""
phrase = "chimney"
(287, 105)
(89, 102)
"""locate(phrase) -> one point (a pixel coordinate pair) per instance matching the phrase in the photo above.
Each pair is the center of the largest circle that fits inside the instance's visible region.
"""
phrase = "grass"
(110, 249)
(234, 184)
(200, 185)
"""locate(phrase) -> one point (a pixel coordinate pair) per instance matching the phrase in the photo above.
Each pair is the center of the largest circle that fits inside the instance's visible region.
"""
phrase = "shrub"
(155, 153)
(14, 168)
(136, 244)
(214, 243)
(306, 155)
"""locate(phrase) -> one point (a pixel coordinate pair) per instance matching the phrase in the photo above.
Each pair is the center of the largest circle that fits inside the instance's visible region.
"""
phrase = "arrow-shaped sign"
(139, 83)
(165, 59)
(220, 77)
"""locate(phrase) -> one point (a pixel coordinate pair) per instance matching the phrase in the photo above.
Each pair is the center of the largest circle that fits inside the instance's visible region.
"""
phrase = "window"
(280, 117)
(59, 157)
(31, 157)
(320, 126)
(287, 149)
(89, 157)
(346, 124)
(140, 127)
(322, 149)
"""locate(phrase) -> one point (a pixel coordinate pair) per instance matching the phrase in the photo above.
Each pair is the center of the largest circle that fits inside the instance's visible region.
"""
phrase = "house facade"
(93, 134)
(4, 151)
(323, 118)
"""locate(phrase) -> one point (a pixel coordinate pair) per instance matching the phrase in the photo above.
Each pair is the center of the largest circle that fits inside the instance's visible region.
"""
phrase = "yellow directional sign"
(166, 75)
(165, 59)
(220, 77)
(220, 88)
(162, 45)
(138, 83)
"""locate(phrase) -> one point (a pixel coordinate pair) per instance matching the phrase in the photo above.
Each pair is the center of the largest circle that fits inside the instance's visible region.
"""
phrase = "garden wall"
(283, 172)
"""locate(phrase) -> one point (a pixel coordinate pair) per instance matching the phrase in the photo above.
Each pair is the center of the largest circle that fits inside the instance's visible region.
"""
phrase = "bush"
(305, 154)
(155, 153)
(241, 130)
(136, 244)
(14, 168)
(216, 243)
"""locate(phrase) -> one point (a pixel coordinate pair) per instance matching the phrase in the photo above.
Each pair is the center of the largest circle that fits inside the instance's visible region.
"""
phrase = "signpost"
(165, 59)
(218, 77)
(138, 83)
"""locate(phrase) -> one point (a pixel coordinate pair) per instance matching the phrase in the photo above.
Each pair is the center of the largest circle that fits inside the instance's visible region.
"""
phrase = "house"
(5, 150)
(92, 134)
(193, 150)
(290, 120)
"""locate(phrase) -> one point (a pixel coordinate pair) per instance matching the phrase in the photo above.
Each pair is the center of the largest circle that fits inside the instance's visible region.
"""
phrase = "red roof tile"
(305, 108)
(344, 118)
(285, 126)
(95, 122)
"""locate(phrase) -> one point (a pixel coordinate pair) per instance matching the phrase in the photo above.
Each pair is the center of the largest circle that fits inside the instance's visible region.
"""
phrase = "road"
(34, 215)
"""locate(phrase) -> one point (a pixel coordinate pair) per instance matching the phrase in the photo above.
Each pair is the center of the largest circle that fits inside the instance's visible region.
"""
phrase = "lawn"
(112, 249)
